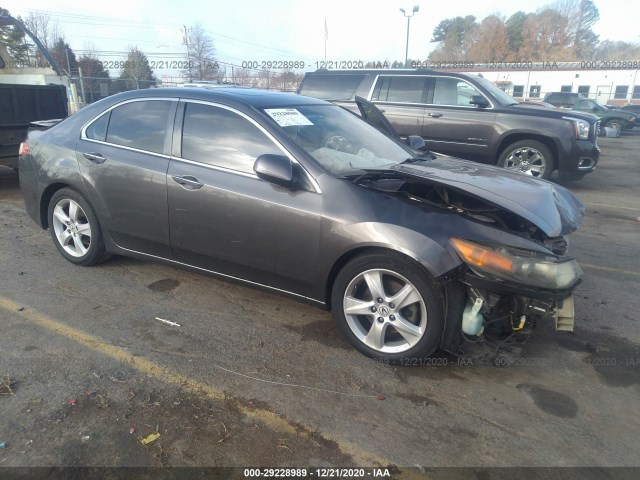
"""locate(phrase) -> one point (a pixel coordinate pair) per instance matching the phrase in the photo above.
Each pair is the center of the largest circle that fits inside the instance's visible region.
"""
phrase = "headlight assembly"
(581, 127)
(516, 265)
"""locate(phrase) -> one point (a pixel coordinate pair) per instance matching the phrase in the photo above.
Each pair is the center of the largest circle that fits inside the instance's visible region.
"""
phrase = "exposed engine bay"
(493, 318)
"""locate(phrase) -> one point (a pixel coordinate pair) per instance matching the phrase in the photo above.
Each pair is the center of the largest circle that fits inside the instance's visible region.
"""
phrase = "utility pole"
(84, 99)
(326, 37)
(408, 15)
(185, 39)
(66, 50)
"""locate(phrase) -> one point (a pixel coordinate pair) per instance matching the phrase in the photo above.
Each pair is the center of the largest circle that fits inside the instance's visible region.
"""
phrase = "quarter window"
(452, 91)
(98, 129)
(140, 125)
(219, 137)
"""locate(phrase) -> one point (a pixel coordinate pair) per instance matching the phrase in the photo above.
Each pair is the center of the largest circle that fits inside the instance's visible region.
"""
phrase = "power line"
(115, 22)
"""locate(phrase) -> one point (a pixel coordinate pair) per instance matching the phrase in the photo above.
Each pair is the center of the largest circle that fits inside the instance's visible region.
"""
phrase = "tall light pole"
(408, 15)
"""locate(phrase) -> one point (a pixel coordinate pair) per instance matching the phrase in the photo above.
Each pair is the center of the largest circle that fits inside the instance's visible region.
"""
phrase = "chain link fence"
(88, 89)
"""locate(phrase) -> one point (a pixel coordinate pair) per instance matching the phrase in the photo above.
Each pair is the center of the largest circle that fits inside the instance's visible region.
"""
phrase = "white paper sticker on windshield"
(288, 117)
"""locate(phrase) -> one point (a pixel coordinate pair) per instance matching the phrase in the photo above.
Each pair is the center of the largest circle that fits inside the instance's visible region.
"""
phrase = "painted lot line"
(167, 375)
(609, 269)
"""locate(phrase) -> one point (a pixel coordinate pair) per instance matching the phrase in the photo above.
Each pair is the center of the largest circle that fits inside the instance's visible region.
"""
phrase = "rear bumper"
(9, 161)
(10, 138)
(29, 188)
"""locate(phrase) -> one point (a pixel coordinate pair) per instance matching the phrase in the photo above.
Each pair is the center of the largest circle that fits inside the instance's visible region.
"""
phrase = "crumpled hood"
(550, 207)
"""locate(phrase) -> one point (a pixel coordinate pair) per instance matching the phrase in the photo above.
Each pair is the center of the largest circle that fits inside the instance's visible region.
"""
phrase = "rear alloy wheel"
(529, 157)
(388, 307)
(74, 228)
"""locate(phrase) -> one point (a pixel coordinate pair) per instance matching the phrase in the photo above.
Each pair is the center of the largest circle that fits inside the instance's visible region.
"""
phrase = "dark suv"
(469, 117)
(562, 99)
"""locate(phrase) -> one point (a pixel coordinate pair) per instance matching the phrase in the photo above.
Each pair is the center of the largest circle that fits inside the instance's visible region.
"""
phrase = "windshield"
(338, 140)
(502, 97)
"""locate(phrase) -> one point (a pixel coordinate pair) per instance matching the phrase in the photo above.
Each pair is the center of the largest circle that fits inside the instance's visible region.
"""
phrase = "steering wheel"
(339, 143)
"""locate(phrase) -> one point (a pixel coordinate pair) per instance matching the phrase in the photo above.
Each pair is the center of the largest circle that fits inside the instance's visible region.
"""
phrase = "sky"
(286, 30)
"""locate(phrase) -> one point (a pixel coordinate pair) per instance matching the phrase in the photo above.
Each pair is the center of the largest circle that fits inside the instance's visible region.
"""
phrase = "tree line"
(561, 31)
(92, 76)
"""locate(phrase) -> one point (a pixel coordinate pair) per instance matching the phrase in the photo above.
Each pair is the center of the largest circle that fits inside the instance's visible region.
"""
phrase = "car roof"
(382, 71)
(253, 97)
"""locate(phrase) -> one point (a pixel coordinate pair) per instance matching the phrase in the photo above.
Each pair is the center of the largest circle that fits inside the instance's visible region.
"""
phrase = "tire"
(529, 157)
(412, 329)
(75, 229)
(615, 123)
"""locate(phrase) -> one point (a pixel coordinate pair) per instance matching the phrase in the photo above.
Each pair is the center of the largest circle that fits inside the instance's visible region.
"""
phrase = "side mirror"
(479, 101)
(416, 142)
(276, 169)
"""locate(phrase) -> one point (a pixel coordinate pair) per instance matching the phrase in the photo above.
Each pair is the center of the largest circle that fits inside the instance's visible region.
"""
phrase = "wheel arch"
(621, 121)
(46, 197)
(517, 137)
(353, 253)
(50, 191)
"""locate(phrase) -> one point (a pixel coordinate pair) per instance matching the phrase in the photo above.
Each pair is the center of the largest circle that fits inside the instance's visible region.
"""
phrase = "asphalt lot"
(251, 378)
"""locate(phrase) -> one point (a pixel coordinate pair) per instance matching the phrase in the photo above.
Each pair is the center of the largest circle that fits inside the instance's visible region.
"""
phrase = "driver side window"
(222, 138)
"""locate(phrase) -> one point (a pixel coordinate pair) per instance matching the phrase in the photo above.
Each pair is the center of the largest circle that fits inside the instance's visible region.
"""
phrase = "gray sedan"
(410, 250)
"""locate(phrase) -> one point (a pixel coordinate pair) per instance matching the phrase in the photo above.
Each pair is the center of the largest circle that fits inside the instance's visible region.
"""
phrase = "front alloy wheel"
(385, 311)
(388, 307)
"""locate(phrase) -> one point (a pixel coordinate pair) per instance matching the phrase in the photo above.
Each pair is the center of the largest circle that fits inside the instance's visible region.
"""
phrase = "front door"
(225, 219)
(455, 127)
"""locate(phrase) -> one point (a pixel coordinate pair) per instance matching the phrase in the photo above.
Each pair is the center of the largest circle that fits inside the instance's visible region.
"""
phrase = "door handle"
(187, 181)
(95, 157)
(435, 115)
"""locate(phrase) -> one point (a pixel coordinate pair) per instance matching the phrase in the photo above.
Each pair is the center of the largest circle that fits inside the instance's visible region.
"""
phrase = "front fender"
(437, 259)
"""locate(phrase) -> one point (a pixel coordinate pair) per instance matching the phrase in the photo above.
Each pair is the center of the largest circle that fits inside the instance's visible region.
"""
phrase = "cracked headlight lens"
(520, 266)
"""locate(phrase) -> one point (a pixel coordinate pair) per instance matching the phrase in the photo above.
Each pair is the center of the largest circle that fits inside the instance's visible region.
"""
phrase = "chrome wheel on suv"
(528, 157)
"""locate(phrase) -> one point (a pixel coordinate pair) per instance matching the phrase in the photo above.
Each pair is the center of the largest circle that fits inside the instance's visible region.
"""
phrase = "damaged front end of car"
(513, 274)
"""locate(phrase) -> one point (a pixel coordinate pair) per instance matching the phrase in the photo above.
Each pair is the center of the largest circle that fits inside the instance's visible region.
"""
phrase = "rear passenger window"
(140, 125)
(403, 89)
(331, 87)
(98, 129)
(222, 138)
(453, 91)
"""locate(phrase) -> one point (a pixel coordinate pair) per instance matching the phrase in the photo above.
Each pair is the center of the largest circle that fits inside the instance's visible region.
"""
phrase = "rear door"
(455, 127)
(402, 100)
(123, 157)
(223, 217)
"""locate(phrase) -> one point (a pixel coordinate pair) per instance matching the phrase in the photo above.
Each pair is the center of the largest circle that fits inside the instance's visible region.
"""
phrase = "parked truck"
(27, 94)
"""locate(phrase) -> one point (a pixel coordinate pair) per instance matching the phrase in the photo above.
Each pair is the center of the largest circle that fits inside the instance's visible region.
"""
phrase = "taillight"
(24, 149)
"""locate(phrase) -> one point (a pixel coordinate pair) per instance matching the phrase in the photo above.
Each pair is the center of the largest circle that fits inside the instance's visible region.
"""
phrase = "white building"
(615, 85)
